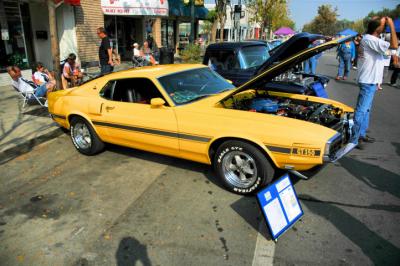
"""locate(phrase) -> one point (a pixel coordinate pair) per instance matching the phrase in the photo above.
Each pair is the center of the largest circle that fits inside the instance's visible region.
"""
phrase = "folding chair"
(30, 95)
(138, 61)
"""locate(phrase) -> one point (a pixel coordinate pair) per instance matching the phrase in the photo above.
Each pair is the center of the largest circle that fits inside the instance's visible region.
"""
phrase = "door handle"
(108, 108)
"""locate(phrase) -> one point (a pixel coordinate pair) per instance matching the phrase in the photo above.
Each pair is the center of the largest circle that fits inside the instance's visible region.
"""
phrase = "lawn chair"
(138, 61)
(30, 95)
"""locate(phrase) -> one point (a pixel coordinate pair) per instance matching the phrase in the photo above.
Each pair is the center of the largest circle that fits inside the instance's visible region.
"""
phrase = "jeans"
(363, 107)
(344, 65)
(310, 65)
(105, 69)
(41, 90)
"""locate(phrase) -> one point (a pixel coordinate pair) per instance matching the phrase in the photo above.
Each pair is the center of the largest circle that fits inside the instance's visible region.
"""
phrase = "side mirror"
(157, 102)
(230, 81)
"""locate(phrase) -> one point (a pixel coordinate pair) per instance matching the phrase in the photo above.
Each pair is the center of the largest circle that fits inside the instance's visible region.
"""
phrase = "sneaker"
(367, 139)
(360, 145)
(344, 78)
(354, 67)
(338, 78)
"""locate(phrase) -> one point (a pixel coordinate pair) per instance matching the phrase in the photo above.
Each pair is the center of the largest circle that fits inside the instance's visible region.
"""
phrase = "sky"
(303, 11)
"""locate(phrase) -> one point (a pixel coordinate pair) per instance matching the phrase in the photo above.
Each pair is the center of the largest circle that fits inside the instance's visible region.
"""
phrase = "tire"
(84, 138)
(242, 168)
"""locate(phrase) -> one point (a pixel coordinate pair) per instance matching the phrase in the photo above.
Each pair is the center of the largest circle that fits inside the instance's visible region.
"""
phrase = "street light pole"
(191, 39)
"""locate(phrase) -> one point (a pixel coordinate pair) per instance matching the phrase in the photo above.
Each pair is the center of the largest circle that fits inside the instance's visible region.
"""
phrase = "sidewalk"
(22, 129)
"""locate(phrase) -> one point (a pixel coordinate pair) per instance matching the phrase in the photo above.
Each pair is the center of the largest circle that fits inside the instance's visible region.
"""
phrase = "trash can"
(166, 55)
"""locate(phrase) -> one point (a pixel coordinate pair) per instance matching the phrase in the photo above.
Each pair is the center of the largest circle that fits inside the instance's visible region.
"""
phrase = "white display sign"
(137, 7)
(4, 35)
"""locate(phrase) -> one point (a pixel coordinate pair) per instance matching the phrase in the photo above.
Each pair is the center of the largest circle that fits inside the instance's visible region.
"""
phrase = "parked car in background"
(241, 61)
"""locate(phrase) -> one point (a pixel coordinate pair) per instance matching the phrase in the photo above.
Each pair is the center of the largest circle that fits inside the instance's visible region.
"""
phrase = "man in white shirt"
(372, 52)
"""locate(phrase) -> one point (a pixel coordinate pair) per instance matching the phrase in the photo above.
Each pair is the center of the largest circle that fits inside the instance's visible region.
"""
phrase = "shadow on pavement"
(28, 146)
(248, 209)
(41, 112)
(130, 252)
(167, 160)
(372, 175)
(397, 146)
(379, 250)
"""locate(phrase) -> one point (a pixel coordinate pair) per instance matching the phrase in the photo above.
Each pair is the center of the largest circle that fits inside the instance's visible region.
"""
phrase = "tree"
(325, 21)
(358, 26)
(211, 24)
(270, 14)
(220, 6)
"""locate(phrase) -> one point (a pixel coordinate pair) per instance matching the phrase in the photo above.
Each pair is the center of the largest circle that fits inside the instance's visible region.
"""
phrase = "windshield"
(191, 85)
(253, 56)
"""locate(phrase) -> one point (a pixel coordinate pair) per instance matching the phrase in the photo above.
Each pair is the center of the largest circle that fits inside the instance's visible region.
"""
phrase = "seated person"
(26, 86)
(42, 75)
(137, 59)
(147, 54)
(116, 58)
(71, 73)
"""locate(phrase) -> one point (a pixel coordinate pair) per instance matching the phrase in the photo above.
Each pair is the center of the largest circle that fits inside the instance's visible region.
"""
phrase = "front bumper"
(335, 147)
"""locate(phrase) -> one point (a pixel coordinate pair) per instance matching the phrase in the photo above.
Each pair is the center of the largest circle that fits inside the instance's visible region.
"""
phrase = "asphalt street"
(129, 207)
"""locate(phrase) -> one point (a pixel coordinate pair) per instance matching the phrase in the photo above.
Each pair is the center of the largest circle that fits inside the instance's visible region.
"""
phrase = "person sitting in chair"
(26, 86)
(42, 75)
(71, 73)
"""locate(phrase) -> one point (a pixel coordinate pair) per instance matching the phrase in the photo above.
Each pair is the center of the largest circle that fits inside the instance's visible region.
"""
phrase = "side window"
(223, 61)
(134, 90)
(107, 91)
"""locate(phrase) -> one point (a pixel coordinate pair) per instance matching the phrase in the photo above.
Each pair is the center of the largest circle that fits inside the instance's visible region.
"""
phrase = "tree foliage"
(270, 15)
(325, 21)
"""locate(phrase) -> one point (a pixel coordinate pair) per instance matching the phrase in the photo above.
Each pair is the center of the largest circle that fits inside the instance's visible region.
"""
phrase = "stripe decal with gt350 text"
(154, 131)
(296, 151)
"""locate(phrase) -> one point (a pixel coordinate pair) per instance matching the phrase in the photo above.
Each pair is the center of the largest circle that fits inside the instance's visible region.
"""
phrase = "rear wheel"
(242, 168)
(84, 137)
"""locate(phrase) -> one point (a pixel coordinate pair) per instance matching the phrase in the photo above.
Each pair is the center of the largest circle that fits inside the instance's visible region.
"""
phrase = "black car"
(241, 61)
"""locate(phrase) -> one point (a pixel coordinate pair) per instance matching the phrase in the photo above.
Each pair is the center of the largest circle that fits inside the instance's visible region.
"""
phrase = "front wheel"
(242, 168)
(84, 137)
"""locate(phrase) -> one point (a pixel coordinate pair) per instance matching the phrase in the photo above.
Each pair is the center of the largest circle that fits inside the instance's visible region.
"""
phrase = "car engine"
(323, 114)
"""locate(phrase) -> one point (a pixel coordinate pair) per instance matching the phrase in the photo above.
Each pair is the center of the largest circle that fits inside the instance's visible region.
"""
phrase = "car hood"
(295, 44)
(280, 67)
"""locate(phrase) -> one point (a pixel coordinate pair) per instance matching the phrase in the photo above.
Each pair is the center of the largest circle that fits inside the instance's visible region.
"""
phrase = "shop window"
(15, 30)
(167, 33)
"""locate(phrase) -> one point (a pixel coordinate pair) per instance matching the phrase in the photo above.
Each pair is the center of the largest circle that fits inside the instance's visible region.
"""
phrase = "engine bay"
(319, 113)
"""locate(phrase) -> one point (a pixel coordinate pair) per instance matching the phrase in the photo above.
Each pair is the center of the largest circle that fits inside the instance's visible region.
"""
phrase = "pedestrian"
(370, 72)
(396, 69)
(357, 41)
(105, 52)
(310, 65)
(346, 54)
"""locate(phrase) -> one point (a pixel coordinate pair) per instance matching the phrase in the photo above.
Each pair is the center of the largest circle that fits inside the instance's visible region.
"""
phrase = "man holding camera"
(372, 51)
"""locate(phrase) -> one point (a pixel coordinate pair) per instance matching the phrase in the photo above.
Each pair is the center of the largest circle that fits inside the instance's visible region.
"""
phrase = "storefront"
(127, 22)
(15, 46)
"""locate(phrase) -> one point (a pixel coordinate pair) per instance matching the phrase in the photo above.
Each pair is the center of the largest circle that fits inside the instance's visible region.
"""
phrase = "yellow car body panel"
(190, 131)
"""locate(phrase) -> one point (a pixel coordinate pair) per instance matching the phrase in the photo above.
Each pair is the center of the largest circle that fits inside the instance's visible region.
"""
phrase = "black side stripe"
(58, 116)
(278, 149)
(154, 131)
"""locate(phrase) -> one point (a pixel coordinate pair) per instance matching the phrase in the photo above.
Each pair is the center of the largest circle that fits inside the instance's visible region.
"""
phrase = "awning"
(137, 7)
(178, 9)
(70, 2)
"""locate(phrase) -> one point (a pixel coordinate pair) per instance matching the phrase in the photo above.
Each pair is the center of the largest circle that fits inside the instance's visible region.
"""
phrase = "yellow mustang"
(190, 112)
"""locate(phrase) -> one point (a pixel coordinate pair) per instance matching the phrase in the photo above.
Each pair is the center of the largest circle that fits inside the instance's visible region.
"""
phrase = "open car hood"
(294, 45)
(280, 67)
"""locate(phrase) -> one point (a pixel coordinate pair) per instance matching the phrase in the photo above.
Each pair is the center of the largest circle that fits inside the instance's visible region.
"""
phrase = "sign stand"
(280, 206)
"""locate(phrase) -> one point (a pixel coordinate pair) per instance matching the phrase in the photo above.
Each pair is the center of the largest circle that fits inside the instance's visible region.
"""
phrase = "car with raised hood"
(241, 61)
(190, 112)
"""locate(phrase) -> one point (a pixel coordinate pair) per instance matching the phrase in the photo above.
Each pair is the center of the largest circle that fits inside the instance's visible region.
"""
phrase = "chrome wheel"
(239, 169)
(81, 136)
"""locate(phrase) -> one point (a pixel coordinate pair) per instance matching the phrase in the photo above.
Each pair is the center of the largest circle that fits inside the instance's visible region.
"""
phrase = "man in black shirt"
(105, 52)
